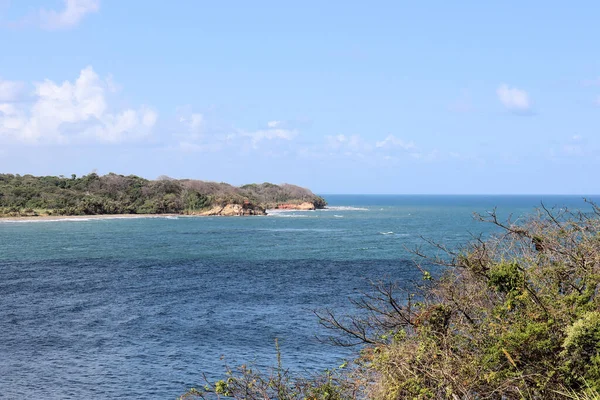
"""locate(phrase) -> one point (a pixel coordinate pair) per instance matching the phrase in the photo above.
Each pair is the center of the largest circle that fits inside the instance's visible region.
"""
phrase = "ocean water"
(142, 308)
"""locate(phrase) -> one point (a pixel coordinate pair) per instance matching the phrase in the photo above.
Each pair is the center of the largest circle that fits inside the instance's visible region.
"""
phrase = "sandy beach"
(89, 217)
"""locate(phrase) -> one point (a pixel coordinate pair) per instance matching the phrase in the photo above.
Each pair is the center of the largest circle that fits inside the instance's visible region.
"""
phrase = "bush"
(514, 316)
(248, 383)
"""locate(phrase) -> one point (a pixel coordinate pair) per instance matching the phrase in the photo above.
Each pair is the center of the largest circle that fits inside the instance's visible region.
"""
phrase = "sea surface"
(142, 308)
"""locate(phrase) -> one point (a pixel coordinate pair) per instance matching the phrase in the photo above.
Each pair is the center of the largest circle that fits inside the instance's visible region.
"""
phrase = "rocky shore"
(235, 210)
(306, 206)
(247, 209)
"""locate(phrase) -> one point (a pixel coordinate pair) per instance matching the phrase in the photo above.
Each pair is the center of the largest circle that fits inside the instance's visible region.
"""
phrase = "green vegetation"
(514, 316)
(92, 194)
(247, 383)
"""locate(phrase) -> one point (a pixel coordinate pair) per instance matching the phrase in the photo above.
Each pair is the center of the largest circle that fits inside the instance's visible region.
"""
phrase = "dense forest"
(93, 194)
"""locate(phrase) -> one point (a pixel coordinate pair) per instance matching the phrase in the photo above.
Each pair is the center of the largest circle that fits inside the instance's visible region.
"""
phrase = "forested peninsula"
(93, 194)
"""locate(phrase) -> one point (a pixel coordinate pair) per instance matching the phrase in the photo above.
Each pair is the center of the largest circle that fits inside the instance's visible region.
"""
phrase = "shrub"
(513, 316)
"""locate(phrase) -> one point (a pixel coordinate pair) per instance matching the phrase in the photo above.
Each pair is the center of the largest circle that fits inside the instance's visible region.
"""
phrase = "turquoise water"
(140, 308)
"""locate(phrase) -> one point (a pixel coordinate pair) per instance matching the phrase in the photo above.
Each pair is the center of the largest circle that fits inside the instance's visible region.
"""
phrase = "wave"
(28, 220)
(390, 233)
(282, 211)
(289, 215)
(344, 208)
(300, 230)
(338, 216)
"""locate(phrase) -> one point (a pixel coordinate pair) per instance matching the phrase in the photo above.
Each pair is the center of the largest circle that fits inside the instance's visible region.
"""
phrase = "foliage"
(514, 316)
(117, 194)
(248, 383)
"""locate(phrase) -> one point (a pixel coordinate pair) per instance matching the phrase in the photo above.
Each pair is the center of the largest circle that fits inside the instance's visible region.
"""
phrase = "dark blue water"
(140, 308)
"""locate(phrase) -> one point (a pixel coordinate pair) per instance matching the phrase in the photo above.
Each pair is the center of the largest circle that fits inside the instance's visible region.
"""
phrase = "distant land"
(113, 194)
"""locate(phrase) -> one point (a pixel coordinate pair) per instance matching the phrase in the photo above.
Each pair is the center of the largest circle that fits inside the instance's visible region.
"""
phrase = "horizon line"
(457, 194)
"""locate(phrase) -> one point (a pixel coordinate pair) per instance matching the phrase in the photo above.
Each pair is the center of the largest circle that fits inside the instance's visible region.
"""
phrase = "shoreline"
(89, 217)
(132, 216)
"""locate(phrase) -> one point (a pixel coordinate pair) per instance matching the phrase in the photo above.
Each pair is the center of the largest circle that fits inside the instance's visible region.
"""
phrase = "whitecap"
(282, 215)
(277, 211)
(300, 230)
(344, 208)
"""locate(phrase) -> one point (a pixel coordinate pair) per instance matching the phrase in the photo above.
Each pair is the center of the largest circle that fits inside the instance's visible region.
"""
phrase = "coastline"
(49, 218)
(89, 217)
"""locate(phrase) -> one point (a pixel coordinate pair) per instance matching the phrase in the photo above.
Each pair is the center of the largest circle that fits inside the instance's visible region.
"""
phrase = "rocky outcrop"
(306, 206)
(235, 210)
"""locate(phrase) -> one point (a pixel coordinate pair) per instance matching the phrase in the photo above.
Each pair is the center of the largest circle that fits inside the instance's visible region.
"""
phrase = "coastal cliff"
(231, 210)
(306, 206)
(247, 209)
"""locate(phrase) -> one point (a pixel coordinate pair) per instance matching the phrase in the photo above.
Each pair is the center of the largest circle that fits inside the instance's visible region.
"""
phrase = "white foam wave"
(80, 219)
(281, 215)
(271, 211)
(299, 230)
(338, 216)
(386, 233)
(344, 208)
(28, 221)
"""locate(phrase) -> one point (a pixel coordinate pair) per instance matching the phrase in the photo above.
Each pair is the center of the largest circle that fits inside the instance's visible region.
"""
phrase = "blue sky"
(342, 97)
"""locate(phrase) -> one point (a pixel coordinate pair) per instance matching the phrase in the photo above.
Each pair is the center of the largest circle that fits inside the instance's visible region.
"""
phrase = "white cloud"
(7, 109)
(149, 118)
(127, 125)
(356, 147)
(193, 122)
(389, 150)
(273, 132)
(270, 134)
(354, 142)
(393, 142)
(11, 91)
(73, 111)
(190, 132)
(72, 13)
(513, 99)
(191, 147)
(199, 135)
(337, 141)
(196, 121)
